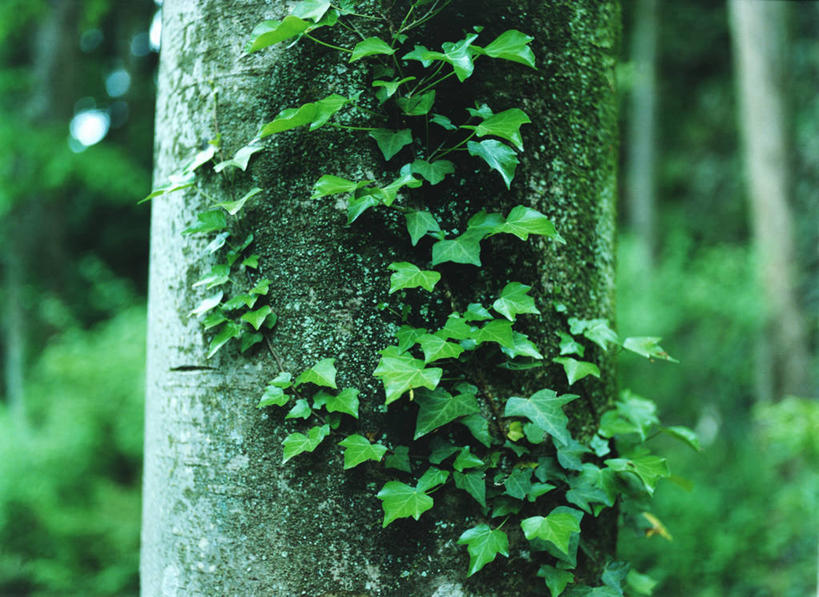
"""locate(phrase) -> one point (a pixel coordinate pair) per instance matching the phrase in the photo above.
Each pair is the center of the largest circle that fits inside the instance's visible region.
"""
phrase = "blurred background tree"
(76, 118)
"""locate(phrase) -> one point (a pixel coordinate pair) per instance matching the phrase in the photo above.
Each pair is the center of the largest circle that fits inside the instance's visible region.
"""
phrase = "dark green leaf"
(423, 55)
(523, 221)
(401, 372)
(273, 396)
(596, 330)
(209, 221)
(256, 318)
(569, 345)
(439, 407)
(400, 500)
(399, 459)
(300, 410)
(473, 483)
(407, 337)
(577, 370)
(298, 443)
(417, 105)
(369, 47)
(511, 45)
(505, 125)
(358, 449)
(330, 185)
(466, 459)
(322, 373)
(479, 428)
(436, 348)
(556, 528)
(391, 142)
(345, 401)
(649, 468)
(462, 249)
(514, 300)
(443, 122)
(483, 544)
(556, 578)
(593, 486)
(420, 223)
(388, 88)
(268, 33)
(357, 206)
(497, 331)
(408, 275)
(498, 156)
(434, 172)
(523, 347)
(432, 478)
(519, 483)
(544, 409)
(458, 55)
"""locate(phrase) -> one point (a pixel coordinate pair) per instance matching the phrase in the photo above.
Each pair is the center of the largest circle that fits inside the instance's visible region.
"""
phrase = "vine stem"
(329, 45)
(434, 83)
(451, 149)
(352, 128)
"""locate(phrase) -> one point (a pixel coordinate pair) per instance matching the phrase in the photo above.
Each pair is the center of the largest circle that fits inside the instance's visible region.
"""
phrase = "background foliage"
(69, 474)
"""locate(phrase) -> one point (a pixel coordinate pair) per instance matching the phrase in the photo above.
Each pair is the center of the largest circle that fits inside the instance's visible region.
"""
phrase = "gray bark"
(221, 515)
(758, 34)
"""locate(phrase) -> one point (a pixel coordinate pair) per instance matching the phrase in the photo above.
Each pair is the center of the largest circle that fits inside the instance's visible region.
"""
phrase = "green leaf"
(505, 125)
(523, 221)
(315, 114)
(556, 528)
(684, 434)
(423, 55)
(345, 401)
(420, 223)
(570, 455)
(311, 9)
(483, 544)
(466, 459)
(514, 300)
(443, 122)
(408, 275)
(497, 331)
(400, 500)
(388, 88)
(641, 584)
(439, 407)
(459, 56)
(432, 478)
(389, 193)
(256, 318)
(298, 443)
(545, 410)
(219, 274)
(593, 486)
(473, 483)
(569, 345)
(434, 172)
(577, 370)
(322, 373)
(358, 205)
(485, 224)
(211, 320)
(519, 483)
(233, 207)
(330, 185)
(369, 47)
(241, 158)
(556, 579)
(455, 328)
(401, 373)
(273, 396)
(648, 347)
(249, 340)
(649, 468)
(482, 111)
(498, 156)
(209, 221)
(511, 45)
(358, 449)
(417, 105)
(596, 330)
(407, 337)
(228, 332)
(436, 348)
(268, 33)
(262, 287)
(207, 304)
(462, 249)
(522, 347)
(399, 459)
(239, 301)
(479, 428)
(632, 414)
(251, 261)
(391, 142)
(300, 410)
(476, 312)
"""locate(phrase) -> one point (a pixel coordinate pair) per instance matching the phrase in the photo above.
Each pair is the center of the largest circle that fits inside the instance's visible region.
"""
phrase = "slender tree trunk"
(758, 32)
(642, 130)
(222, 515)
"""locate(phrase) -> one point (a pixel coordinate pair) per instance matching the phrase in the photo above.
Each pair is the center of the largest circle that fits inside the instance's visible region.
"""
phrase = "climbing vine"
(506, 454)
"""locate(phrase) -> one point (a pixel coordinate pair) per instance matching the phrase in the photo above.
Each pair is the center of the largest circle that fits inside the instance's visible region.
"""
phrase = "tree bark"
(758, 33)
(222, 515)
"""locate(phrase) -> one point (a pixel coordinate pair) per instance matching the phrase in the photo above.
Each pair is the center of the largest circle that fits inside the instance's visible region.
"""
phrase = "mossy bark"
(222, 515)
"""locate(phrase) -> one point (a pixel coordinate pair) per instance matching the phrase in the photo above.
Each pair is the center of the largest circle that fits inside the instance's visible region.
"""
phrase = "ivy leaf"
(233, 207)
(514, 300)
(592, 486)
(443, 122)
(369, 47)
(432, 478)
(498, 156)
(684, 434)
(268, 33)
(300, 410)
(273, 396)
(209, 221)
(207, 304)
(420, 223)
(326, 108)
(640, 584)
(465, 248)
(322, 373)
(569, 345)
(400, 500)
(556, 528)
(434, 172)
(219, 274)
(436, 348)
(251, 261)
(359, 449)
(211, 320)
(439, 407)
(391, 142)
(228, 332)
(596, 330)
(239, 301)
(455, 328)
(476, 312)
(577, 370)
(241, 158)
(556, 578)
(498, 331)
(649, 468)
(407, 337)
(346, 401)
(481, 111)
(632, 414)
(401, 373)
(399, 459)
(388, 88)
(483, 544)
(473, 483)
(545, 410)
(458, 55)
(311, 9)
(423, 55)
(485, 224)
(417, 105)
(479, 428)
(315, 114)
(389, 193)
(505, 125)
(298, 443)
(523, 221)
(262, 287)
(648, 347)
(519, 483)
(522, 347)
(256, 318)
(358, 205)
(570, 455)
(466, 459)
(408, 275)
(330, 185)
(511, 45)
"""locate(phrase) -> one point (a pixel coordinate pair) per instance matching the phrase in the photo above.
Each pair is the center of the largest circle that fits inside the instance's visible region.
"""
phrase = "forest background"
(77, 84)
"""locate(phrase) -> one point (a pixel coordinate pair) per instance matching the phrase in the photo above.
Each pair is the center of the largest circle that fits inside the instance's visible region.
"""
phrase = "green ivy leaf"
(456, 328)
(345, 401)
(497, 331)
(311, 9)
(570, 455)
(556, 528)
(443, 122)
(408, 275)
(434, 172)
(439, 407)
(219, 274)
(466, 459)
(322, 373)
(273, 396)
(684, 434)
(388, 88)
(420, 223)
(407, 337)
(262, 287)
(648, 347)
(417, 105)
(545, 410)
(577, 370)
(632, 414)
(485, 224)
(359, 449)
(482, 111)
(505, 125)
(483, 544)
(569, 345)
(239, 301)
(458, 55)
(228, 332)
(649, 468)
(300, 410)
(498, 156)
(473, 483)
(211, 320)
(511, 45)
(391, 142)
(592, 486)
(596, 330)
(268, 33)
(298, 443)
(315, 114)
(207, 304)
(523, 221)
(514, 300)
(256, 318)
(399, 459)
(209, 221)
(432, 478)
(519, 483)
(330, 185)
(556, 579)
(436, 348)
(401, 372)
(400, 500)
(423, 55)
(640, 584)
(476, 312)
(465, 248)
(370, 47)
(233, 207)
(479, 428)
(522, 347)
(241, 158)
(358, 205)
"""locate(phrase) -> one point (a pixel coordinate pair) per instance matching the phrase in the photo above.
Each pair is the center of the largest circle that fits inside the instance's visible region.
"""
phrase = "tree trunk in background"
(221, 514)
(642, 130)
(758, 29)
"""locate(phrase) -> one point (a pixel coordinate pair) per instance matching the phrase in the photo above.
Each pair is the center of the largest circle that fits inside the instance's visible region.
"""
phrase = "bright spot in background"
(155, 32)
(88, 128)
(140, 44)
(117, 82)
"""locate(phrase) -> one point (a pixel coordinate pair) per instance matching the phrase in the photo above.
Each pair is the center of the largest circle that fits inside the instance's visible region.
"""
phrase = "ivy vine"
(520, 448)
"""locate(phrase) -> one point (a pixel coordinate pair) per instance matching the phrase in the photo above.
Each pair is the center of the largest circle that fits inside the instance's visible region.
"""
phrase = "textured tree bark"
(222, 515)
(758, 34)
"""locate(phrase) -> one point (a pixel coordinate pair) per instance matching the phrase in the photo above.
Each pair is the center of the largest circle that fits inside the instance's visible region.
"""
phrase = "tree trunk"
(642, 130)
(758, 32)
(222, 515)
